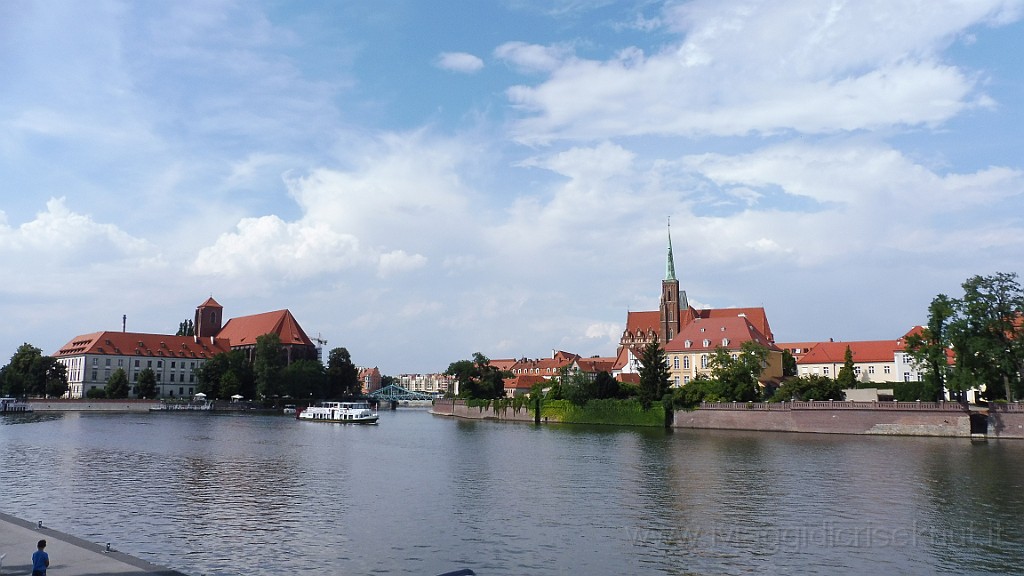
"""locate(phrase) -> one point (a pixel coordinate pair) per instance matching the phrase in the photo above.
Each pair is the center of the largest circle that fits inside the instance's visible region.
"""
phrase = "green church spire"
(670, 264)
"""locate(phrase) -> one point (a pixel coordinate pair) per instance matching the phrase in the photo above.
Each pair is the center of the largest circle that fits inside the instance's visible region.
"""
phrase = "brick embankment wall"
(458, 408)
(875, 418)
(95, 405)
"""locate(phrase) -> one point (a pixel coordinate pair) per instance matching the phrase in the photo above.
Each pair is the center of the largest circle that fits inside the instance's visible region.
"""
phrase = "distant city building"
(427, 383)
(370, 379)
(91, 359)
(879, 361)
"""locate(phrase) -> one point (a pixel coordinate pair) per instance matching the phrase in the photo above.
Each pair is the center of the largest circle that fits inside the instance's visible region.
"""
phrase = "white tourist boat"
(9, 405)
(342, 412)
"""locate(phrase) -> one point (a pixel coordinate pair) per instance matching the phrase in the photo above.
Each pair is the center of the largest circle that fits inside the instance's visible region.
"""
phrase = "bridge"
(393, 393)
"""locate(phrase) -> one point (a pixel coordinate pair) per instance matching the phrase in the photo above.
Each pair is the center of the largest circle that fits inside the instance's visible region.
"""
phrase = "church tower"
(209, 316)
(670, 297)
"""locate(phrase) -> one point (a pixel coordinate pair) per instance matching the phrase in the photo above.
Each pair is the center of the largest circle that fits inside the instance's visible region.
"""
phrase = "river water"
(424, 494)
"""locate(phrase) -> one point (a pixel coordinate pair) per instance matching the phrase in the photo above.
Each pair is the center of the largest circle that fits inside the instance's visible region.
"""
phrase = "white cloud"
(459, 62)
(399, 261)
(742, 68)
(533, 57)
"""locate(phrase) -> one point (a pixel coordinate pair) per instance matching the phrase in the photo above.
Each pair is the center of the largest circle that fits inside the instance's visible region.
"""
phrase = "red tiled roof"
(756, 316)
(643, 321)
(864, 351)
(504, 364)
(647, 321)
(137, 344)
(244, 330)
(628, 378)
(717, 330)
(523, 382)
(594, 365)
(210, 303)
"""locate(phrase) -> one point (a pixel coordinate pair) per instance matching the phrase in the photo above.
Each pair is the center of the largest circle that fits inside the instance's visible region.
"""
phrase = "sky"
(418, 181)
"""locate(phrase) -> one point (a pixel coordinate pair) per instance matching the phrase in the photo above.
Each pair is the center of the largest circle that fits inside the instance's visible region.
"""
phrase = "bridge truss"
(391, 393)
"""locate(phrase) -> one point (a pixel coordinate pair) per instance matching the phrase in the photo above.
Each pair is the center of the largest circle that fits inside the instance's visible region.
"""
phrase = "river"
(423, 494)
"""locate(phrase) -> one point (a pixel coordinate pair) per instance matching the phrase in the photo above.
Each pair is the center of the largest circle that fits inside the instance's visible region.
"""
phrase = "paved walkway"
(69, 556)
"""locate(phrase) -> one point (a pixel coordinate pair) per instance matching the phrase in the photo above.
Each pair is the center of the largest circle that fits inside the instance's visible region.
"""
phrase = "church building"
(690, 336)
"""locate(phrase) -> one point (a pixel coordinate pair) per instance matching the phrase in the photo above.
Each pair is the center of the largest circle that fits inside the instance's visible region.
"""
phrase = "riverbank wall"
(948, 419)
(91, 405)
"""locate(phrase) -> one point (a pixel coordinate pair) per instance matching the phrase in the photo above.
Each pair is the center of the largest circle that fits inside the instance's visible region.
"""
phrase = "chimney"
(124, 323)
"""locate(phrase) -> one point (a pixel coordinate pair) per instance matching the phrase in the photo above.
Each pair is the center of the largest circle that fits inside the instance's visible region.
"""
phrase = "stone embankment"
(91, 405)
(948, 419)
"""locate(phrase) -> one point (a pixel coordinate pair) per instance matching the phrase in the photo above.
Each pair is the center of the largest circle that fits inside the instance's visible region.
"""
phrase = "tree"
(788, 364)
(577, 387)
(810, 387)
(988, 336)
(145, 386)
(739, 375)
(930, 347)
(654, 374)
(477, 378)
(29, 373)
(605, 386)
(305, 379)
(847, 377)
(117, 385)
(342, 375)
(186, 328)
(268, 366)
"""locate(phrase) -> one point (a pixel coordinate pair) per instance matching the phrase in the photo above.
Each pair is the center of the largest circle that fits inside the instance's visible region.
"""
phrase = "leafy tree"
(988, 336)
(145, 386)
(342, 375)
(847, 377)
(810, 387)
(95, 393)
(117, 385)
(230, 385)
(305, 379)
(186, 328)
(577, 387)
(929, 348)
(268, 366)
(29, 373)
(477, 378)
(654, 374)
(788, 364)
(739, 375)
(701, 389)
(606, 386)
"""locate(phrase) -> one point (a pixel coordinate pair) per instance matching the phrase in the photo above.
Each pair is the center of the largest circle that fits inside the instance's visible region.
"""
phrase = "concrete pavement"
(69, 556)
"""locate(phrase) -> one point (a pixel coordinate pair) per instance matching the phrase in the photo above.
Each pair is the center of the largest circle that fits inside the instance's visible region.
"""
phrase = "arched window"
(703, 360)
(675, 362)
(686, 362)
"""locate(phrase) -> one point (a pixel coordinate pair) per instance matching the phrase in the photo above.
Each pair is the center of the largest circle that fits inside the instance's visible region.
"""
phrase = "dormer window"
(688, 343)
(725, 341)
(707, 342)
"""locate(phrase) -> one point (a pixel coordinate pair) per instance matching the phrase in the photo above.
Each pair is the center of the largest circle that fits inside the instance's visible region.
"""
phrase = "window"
(887, 369)
(675, 363)
(707, 342)
(906, 376)
(871, 369)
(686, 362)
(677, 382)
(825, 370)
(94, 376)
(688, 343)
(703, 360)
(172, 376)
(734, 356)
(856, 370)
(120, 361)
(108, 362)
(725, 341)
(95, 361)
(149, 363)
(173, 364)
(159, 363)
(686, 379)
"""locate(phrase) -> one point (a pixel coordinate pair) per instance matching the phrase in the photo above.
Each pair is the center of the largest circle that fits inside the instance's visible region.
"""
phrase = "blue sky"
(418, 181)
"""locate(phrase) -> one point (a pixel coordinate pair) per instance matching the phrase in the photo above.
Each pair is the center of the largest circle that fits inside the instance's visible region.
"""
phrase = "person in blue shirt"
(40, 560)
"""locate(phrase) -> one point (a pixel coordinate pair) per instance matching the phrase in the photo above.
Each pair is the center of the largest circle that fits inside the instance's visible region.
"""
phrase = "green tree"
(788, 364)
(847, 377)
(739, 375)
(29, 373)
(606, 386)
(305, 379)
(654, 374)
(117, 385)
(95, 393)
(988, 336)
(811, 387)
(342, 375)
(701, 389)
(577, 387)
(930, 347)
(145, 386)
(268, 366)
(477, 378)
(186, 328)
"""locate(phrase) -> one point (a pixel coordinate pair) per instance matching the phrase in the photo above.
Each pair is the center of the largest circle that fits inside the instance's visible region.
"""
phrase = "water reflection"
(419, 494)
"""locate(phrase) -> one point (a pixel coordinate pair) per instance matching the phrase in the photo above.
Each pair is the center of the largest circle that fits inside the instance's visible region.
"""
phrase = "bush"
(95, 393)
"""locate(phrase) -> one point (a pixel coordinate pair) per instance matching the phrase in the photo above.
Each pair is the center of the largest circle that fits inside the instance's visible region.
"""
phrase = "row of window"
(149, 363)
